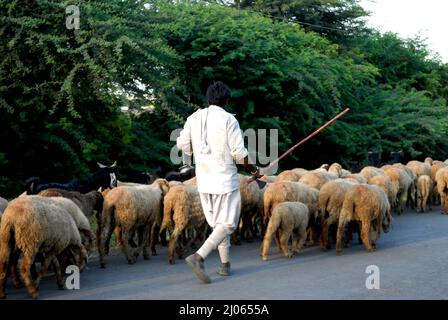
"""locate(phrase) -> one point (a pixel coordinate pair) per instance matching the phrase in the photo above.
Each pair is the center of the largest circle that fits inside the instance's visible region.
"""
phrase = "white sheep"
(288, 219)
(130, 210)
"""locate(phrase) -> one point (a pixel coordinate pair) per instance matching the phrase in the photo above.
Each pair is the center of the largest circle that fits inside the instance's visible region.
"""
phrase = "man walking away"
(214, 137)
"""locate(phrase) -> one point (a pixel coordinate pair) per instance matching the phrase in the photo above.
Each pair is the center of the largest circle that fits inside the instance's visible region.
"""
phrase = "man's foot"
(196, 263)
(224, 270)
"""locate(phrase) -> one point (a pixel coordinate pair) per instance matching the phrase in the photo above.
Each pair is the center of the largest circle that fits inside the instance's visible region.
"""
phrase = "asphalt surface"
(412, 259)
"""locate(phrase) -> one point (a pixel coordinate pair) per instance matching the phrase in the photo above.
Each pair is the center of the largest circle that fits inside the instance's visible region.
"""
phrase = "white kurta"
(217, 142)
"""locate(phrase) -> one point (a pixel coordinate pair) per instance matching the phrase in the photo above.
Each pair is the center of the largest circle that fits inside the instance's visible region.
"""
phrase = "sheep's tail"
(167, 221)
(105, 222)
(30, 185)
(7, 243)
(348, 208)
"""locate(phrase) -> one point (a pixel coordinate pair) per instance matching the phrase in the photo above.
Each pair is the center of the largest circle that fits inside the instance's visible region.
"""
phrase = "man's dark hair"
(218, 94)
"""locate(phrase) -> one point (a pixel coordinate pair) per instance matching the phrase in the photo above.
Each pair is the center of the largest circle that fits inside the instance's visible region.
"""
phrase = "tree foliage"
(61, 90)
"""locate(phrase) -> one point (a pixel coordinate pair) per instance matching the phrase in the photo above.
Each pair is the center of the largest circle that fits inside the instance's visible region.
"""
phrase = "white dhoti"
(222, 212)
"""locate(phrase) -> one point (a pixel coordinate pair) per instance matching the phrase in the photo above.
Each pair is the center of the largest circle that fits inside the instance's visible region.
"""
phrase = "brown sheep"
(367, 204)
(419, 168)
(130, 210)
(436, 166)
(402, 182)
(316, 179)
(385, 183)
(337, 170)
(36, 225)
(331, 198)
(442, 188)
(428, 161)
(182, 210)
(356, 177)
(289, 175)
(284, 191)
(369, 172)
(412, 193)
(88, 203)
(279, 192)
(288, 218)
(424, 188)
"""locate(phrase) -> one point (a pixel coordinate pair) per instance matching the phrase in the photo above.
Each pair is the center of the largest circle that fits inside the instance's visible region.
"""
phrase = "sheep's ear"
(114, 164)
(101, 165)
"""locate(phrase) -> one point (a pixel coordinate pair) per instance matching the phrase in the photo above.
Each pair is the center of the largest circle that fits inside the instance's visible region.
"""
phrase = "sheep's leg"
(43, 269)
(325, 228)
(25, 272)
(103, 242)
(365, 229)
(14, 260)
(123, 239)
(146, 230)
(425, 203)
(58, 274)
(299, 238)
(264, 249)
(284, 239)
(154, 230)
(4, 261)
(374, 233)
(172, 244)
(254, 227)
(341, 226)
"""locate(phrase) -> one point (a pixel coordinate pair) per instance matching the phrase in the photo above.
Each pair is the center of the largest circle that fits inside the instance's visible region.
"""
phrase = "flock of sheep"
(325, 205)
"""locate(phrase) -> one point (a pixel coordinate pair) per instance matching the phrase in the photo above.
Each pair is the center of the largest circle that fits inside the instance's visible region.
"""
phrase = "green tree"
(61, 90)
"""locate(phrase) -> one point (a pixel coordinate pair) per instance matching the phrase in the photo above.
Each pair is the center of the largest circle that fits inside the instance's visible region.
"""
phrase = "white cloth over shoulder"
(217, 142)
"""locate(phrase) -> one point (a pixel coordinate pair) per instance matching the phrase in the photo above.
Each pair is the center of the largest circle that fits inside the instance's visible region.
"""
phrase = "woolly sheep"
(82, 223)
(385, 183)
(369, 172)
(88, 203)
(288, 219)
(289, 175)
(36, 225)
(356, 177)
(367, 204)
(128, 210)
(182, 209)
(442, 188)
(331, 198)
(428, 161)
(412, 193)
(436, 166)
(424, 190)
(284, 191)
(315, 179)
(419, 168)
(279, 192)
(402, 182)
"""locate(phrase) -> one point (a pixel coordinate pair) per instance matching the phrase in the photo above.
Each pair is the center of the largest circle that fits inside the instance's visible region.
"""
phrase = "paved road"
(413, 262)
